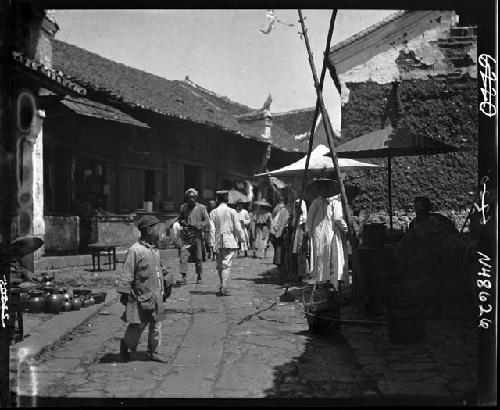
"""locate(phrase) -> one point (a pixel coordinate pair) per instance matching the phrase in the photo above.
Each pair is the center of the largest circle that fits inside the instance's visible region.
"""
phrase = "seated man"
(429, 253)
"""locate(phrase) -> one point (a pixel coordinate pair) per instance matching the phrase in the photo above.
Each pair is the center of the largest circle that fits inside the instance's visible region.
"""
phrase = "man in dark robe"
(194, 221)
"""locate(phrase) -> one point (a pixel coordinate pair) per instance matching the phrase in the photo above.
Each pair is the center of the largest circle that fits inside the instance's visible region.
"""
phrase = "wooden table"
(97, 248)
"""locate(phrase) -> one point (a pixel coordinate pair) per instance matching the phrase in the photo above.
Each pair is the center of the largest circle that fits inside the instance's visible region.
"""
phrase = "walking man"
(245, 220)
(194, 220)
(210, 236)
(142, 290)
(227, 234)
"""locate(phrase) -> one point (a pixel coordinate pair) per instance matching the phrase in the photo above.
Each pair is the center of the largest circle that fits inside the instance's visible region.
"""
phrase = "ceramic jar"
(24, 298)
(76, 303)
(47, 282)
(66, 305)
(53, 303)
(66, 296)
(36, 302)
(91, 300)
(86, 302)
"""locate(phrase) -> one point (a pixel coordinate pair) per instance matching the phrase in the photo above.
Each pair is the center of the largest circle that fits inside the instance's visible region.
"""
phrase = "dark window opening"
(192, 177)
(227, 184)
(149, 186)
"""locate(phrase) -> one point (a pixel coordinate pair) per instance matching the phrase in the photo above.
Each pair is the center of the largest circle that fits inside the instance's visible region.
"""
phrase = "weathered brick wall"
(445, 109)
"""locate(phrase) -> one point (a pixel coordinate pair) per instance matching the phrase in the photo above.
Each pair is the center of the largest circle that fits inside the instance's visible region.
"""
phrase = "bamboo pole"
(311, 134)
(336, 171)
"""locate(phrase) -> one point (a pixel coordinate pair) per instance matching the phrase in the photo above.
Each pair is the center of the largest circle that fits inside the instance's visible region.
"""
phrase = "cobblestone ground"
(248, 345)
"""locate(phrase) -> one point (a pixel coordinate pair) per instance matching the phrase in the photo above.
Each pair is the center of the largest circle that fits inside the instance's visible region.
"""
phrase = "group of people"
(145, 284)
(311, 243)
(308, 242)
(194, 232)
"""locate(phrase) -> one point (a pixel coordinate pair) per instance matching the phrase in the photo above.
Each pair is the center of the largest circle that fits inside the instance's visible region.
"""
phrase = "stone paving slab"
(51, 331)
(253, 345)
(443, 365)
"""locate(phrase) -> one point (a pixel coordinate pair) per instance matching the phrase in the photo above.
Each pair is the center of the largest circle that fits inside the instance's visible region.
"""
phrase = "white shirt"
(227, 227)
(244, 217)
(176, 234)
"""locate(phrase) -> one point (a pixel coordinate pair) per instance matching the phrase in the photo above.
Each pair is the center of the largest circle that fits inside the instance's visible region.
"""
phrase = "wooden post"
(336, 171)
(313, 126)
(7, 149)
(389, 182)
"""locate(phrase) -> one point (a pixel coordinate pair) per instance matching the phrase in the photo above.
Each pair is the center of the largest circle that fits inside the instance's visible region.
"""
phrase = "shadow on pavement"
(134, 357)
(203, 292)
(187, 311)
(327, 373)
(269, 277)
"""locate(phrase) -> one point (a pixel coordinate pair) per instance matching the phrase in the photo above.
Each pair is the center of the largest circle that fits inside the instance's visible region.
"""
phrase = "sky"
(221, 50)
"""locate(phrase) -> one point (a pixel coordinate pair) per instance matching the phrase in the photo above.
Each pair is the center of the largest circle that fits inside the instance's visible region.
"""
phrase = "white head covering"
(191, 190)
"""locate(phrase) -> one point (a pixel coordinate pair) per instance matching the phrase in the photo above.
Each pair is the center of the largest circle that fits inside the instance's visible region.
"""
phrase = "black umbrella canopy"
(387, 142)
(25, 245)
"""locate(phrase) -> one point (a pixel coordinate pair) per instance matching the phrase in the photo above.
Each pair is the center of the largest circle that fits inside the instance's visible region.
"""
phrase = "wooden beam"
(337, 172)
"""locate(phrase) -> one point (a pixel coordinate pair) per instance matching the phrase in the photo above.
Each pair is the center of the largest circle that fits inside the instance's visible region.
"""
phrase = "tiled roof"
(141, 89)
(220, 102)
(58, 78)
(89, 108)
(298, 123)
(175, 98)
(368, 30)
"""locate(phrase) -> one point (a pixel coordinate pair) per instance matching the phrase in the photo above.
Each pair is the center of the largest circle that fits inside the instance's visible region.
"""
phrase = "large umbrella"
(235, 196)
(262, 202)
(386, 143)
(319, 164)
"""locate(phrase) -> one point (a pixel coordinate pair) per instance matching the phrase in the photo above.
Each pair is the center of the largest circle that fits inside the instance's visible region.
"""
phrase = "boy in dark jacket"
(143, 290)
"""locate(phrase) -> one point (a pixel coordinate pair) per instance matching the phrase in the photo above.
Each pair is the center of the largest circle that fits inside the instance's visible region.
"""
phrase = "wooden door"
(132, 189)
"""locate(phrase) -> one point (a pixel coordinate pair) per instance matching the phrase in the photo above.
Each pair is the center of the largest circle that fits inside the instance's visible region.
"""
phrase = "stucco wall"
(417, 46)
(434, 63)
(446, 110)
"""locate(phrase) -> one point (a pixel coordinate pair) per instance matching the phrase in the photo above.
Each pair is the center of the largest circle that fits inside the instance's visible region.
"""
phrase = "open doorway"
(192, 177)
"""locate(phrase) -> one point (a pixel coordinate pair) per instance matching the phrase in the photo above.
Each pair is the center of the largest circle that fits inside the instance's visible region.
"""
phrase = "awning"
(95, 109)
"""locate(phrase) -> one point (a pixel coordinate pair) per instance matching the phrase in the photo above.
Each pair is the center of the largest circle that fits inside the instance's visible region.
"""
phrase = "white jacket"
(227, 227)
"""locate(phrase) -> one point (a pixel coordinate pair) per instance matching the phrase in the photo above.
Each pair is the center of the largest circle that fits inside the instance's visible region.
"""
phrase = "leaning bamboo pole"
(336, 171)
(311, 137)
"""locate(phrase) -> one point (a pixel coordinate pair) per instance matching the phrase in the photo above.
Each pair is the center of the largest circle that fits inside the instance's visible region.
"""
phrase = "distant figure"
(142, 289)
(326, 227)
(210, 235)
(194, 220)
(299, 246)
(245, 220)
(278, 225)
(227, 234)
(430, 253)
(278, 207)
(261, 222)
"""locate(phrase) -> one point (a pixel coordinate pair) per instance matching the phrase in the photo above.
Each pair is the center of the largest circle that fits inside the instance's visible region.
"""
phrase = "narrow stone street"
(248, 345)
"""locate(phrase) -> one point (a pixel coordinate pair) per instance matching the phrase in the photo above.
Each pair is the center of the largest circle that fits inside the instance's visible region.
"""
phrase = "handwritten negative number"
(485, 323)
(482, 296)
(483, 283)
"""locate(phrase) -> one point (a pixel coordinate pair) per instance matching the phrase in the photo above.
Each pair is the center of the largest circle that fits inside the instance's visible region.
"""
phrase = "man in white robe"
(326, 227)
